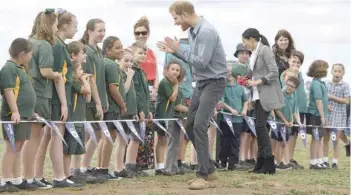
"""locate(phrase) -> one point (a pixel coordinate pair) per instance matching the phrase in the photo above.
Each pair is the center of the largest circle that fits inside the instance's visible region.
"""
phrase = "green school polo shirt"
(179, 101)
(63, 65)
(95, 65)
(318, 91)
(235, 97)
(290, 106)
(130, 97)
(164, 108)
(113, 76)
(42, 57)
(299, 94)
(141, 90)
(78, 103)
(14, 77)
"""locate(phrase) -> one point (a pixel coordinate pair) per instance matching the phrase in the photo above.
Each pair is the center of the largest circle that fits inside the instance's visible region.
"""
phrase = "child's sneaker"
(163, 172)
(9, 187)
(295, 164)
(335, 166)
(316, 167)
(281, 166)
(26, 186)
(65, 184)
(42, 184)
(326, 165)
(125, 174)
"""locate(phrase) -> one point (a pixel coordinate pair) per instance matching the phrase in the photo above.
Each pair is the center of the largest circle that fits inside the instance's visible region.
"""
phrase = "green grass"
(300, 182)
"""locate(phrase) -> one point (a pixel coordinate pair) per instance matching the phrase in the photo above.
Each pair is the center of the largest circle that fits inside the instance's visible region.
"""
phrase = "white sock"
(313, 161)
(17, 181)
(83, 169)
(59, 179)
(325, 159)
(320, 161)
(4, 180)
(30, 180)
(335, 161)
(38, 178)
(160, 166)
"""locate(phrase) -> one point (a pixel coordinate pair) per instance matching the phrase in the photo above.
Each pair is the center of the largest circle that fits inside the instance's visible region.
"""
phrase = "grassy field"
(291, 182)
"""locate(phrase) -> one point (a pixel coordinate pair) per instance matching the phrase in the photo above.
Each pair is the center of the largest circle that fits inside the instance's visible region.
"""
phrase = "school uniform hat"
(238, 69)
(240, 47)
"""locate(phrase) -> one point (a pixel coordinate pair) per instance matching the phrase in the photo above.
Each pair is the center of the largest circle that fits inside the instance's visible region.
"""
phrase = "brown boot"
(198, 184)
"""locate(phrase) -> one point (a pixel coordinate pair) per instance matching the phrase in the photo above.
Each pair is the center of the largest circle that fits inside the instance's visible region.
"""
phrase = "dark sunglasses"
(138, 33)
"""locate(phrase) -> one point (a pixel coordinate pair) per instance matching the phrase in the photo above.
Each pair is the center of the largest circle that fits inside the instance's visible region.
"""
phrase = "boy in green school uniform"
(80, 96)
(18, 104)
(235, 101)
(166, 96)
(142, 100)
(112, 48)
(286, 115)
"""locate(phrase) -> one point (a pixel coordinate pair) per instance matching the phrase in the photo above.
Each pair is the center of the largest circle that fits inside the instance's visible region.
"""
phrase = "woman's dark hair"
(254, 33)
(291, 47)
(108, 43)
(18, 46)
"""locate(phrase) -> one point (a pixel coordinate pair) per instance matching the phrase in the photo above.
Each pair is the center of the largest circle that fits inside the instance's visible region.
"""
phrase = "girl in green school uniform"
(94, 34)
(113, 50)
(43, 76)
(317, 111)
(18, 103)
(61, 97)
(127, 75)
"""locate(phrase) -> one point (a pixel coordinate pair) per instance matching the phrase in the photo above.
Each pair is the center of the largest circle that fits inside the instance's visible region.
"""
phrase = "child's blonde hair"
(339, 64)
(293, 71)
(42, 28)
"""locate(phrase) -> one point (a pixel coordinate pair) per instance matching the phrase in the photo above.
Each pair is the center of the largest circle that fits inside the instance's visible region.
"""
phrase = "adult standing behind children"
(149, 66)
(266, 94)
(207, 58)
(282, 48)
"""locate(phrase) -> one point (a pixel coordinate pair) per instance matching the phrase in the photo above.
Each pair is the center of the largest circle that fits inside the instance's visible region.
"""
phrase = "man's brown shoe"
(198, 184)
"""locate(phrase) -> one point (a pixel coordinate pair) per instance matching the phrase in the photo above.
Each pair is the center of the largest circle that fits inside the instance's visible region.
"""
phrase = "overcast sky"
(320, 28)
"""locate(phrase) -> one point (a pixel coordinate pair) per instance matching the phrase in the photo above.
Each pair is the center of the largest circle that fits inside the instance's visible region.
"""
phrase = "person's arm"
(138, 88)
(8, 84)
(112, 80)
(181, 108)
(46, 62)
(85, 90)
(245, 99)
(94, 91)
(280, 115)
(129, 80)
(174, 93)
(59, 60)
(206, 41)
(345, 100)
(89, 68)
(271, 64)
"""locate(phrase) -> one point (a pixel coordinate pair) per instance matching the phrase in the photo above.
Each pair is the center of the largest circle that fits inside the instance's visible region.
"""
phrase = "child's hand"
(64, 113)
(136, 117)
(243, 114)
(150, 116)
(331, 97)
(15, 117)
(323, 122)
(130, 72)
(124, 109)
(287, 124)
(84, 77)
(141, 116)
(234, 112)
(329, 108)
